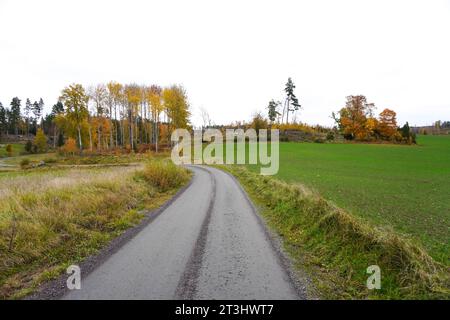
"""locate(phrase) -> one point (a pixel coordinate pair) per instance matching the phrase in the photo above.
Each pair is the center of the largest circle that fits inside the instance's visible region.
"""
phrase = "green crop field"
(406, 188)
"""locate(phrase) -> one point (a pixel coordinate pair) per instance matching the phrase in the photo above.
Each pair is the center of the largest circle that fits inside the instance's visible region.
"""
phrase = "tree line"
(102, 117)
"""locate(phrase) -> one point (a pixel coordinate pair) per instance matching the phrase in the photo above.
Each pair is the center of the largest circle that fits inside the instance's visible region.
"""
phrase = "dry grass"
(164, 175)
(52, 218)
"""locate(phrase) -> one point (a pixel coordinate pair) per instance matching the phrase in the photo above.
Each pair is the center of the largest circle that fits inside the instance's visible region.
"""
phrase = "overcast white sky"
(234, 56)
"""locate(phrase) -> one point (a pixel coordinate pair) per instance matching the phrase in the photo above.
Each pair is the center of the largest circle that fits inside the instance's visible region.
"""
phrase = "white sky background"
(234, 56)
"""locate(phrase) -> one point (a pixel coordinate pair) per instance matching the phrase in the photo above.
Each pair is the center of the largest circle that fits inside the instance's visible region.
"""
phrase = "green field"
(17, 149)
(406, 188)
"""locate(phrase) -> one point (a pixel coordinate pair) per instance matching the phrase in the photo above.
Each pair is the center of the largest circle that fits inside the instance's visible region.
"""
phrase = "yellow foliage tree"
(40, 141)
(176, 107)
(154, 100)
(353, 118)
(75, 100)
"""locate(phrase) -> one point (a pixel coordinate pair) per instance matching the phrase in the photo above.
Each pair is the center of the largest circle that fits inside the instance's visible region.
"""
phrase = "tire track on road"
(188, 282)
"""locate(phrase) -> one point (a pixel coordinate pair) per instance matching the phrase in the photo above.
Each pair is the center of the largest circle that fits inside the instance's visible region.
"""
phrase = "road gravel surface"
(209, 243)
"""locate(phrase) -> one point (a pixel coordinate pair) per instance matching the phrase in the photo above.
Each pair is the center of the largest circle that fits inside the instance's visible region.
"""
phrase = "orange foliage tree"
(355, 119)
(387, 124)
(70, 146)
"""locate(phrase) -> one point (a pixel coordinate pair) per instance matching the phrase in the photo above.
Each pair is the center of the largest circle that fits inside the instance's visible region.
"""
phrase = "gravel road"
(207, 244)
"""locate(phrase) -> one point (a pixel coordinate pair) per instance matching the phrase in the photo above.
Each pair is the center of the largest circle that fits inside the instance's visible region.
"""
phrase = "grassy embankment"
(53, 217)
(395, 213)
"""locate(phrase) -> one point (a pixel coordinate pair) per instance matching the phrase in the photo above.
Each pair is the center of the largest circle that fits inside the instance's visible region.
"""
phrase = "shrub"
(164, 175)
(9, 149)
(319, 140)
(70, 146)
(49, 160)
(40, 141)
(29, 146)
(60, 140)
(24, 163)
(330, 136)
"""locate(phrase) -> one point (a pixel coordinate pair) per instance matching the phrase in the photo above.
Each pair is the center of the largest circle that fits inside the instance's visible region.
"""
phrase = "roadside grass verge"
(336, 248)
(51, 218)
(397, 186)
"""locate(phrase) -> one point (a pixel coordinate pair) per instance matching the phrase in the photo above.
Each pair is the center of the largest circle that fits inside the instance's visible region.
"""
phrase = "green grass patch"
(405, 188)
(17, 149)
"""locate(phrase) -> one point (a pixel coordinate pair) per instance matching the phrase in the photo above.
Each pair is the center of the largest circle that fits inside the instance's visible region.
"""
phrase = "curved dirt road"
(208, 244)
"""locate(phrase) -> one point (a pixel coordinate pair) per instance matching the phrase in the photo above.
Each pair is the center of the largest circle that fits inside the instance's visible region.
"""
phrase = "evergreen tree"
(37, 110)
(406, 131)
(60, 140)
(273, 112)
(14, 118)
(3, 120)
(291, 102)
(57, 108)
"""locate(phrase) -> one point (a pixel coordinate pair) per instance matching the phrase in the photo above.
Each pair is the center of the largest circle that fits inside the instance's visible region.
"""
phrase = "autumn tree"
(99, 96)
(75, 100)
(133, 99)
(40, 141)
(154, 97)
(115, 97)
(258, 122)
(113, 100)
(387, 124)
(356, 120)
(70, 146)
(177, 107)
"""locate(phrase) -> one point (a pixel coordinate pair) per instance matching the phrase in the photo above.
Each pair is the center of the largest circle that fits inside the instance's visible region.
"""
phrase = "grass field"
(53, 217)
(17, 149)
(406, 188)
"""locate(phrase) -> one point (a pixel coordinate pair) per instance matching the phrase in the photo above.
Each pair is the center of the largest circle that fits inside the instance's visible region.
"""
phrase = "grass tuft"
(164, 175)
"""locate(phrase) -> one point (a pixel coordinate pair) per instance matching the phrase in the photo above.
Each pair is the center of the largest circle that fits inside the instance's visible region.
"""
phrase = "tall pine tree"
(14, 117)
(291, 102)
(3, 120)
